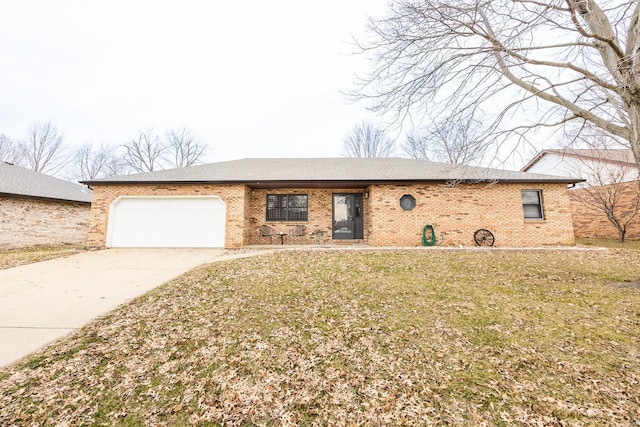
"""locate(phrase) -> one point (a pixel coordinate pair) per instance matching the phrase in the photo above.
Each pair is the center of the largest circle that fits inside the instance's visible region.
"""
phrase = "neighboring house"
(593, 165)
(589, 222)
(375, 201)
(37, 209)
(604, 168)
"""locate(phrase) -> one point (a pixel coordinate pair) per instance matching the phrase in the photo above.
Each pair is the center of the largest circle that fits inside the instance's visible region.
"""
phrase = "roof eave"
(329, 183)
(534, 160)
(50, 199)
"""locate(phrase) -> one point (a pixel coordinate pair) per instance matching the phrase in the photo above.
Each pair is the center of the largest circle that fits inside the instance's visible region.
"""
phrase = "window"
(286, 207)
(407, 202)
(532, 204)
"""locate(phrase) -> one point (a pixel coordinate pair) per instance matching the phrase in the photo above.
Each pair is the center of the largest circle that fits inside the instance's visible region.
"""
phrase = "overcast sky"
(251, 78)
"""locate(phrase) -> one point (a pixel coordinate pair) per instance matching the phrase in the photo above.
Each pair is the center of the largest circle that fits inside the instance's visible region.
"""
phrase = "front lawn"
(355, 338)
(15, 257)
(608, 243)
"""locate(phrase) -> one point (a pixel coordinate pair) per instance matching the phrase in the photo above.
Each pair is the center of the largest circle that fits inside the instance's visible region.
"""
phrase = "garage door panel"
(167, 222)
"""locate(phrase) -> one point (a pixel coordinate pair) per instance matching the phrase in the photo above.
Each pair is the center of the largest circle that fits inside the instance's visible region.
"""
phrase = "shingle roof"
(318, 170)
(608, 155)
(18, 181)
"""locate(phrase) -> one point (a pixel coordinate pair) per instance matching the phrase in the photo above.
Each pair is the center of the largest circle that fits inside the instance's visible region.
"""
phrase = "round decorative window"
(407, 202)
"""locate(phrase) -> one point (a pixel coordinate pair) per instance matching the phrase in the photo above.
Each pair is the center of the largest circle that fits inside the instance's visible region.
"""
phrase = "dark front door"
(347, 216)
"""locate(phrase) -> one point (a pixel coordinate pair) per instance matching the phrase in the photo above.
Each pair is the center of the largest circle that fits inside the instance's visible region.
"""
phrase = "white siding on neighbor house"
(557, 164)
(167, 222)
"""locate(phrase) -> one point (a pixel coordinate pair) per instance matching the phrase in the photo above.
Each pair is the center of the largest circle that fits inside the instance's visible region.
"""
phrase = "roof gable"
(600, 155)
(18, 181)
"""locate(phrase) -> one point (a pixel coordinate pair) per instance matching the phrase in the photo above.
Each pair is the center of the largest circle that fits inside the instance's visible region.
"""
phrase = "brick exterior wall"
(33, 222)
(457, 212)
(320, 216)
(589, 222)
(454, 211)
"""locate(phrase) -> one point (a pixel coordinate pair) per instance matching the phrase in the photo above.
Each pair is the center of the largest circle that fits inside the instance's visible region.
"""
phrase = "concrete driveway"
(42, 302)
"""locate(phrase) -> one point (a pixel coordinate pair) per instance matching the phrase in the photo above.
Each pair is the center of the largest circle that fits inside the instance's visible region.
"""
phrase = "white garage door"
(166, 222)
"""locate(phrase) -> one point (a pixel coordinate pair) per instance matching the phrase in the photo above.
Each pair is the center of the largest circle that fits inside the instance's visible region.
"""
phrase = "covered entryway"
(167, 222)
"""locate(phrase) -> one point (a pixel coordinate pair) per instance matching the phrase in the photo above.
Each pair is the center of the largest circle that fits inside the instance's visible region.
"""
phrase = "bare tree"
(143, 153)
(182, 149)
(536, 64)
(456, 141)
(611, 188)
(148, 153)
(91, 162)
(417, 145)
(367, 140)
(8, 150)
(607, 193)
(43, 149)
(117, 166)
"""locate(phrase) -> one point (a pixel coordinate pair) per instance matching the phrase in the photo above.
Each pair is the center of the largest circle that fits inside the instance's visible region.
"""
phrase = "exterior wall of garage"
(234, 197)
(455, 212)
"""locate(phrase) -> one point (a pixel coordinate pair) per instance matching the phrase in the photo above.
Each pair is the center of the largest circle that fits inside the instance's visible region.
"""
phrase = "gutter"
(329, 183)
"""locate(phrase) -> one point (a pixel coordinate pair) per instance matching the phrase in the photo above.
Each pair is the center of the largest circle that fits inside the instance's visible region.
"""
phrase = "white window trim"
(540, 203)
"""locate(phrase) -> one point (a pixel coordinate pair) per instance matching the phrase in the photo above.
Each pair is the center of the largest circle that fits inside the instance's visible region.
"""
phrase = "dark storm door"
(347, 216)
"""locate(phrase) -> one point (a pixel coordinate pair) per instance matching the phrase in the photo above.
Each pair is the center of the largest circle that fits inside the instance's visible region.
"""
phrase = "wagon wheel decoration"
(483, 237)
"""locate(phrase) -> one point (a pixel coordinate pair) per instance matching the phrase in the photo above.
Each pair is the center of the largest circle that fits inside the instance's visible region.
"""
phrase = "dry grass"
(354, 338)
(15, 257)
(609, 243)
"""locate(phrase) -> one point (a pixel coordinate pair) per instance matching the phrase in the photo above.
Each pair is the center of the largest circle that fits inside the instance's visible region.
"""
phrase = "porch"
(307, 216)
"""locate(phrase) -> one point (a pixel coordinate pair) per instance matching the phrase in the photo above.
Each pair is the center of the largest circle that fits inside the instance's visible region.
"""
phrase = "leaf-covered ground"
(14, 257)
(354, 338)
(608, 243)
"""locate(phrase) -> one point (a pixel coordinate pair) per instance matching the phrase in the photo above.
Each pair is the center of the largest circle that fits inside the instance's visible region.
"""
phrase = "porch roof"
(266, 172)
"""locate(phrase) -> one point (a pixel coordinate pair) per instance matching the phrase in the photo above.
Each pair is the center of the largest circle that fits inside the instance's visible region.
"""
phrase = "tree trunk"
(622, 231)
(634, 137)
